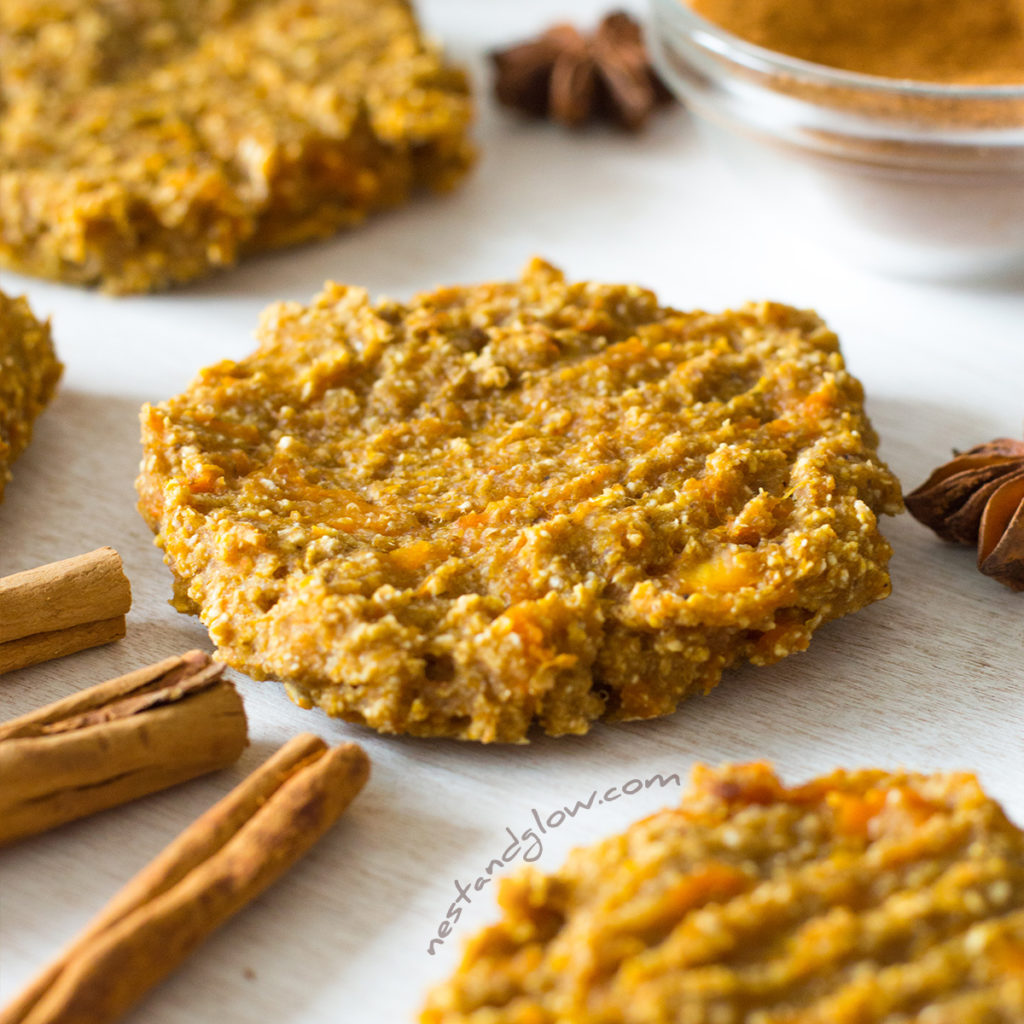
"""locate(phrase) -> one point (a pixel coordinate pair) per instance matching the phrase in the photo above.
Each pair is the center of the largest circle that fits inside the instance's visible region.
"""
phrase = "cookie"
(518, 503)
(146, 144)
(858, 898)
(29, 371)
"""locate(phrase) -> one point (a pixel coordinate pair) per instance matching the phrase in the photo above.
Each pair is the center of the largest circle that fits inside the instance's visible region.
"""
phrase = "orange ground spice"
(978, 42)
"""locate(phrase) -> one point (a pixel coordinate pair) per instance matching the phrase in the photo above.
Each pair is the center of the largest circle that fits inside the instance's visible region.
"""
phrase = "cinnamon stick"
(134, 735)
(213, 869)
(61, 608)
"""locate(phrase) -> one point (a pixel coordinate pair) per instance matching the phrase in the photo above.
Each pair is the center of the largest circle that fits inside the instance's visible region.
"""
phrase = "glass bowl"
(904, 177)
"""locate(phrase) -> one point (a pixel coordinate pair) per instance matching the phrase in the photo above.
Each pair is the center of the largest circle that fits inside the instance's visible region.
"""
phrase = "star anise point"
(572, 78)
(978, 498)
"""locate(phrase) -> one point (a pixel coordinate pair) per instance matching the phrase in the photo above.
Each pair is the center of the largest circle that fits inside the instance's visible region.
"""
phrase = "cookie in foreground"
(144, 145)
(518, 503)
(857, 898)
(29, 371)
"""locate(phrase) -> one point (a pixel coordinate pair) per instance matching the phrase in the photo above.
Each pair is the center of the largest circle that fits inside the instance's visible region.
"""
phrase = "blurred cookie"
(517, 503)
(29, 372)
(145, 144)
(858, 898)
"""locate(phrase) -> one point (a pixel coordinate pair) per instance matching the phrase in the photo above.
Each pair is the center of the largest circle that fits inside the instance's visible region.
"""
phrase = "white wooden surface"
(930, 678)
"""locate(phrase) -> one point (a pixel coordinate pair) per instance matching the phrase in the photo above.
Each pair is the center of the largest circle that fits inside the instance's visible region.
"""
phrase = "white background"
(931, 678)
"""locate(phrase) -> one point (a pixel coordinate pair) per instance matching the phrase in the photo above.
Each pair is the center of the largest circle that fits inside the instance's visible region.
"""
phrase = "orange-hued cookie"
(858, 898)
(517, 503)
(145, 144)
(29, 371)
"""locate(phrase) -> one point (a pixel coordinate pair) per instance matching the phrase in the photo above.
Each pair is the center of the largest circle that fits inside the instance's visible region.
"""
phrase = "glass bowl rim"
(710, 36)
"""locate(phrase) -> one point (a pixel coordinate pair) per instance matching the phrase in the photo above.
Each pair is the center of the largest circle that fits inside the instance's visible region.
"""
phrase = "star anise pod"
(570, 77)
(978, 498)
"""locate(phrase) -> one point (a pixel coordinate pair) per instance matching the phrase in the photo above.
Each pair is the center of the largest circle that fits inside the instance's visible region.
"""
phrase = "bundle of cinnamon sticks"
(134, 735)
(212, 870)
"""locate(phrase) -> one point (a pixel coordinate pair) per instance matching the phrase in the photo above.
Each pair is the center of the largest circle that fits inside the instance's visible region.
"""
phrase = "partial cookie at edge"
(29, 372)
(858, 898)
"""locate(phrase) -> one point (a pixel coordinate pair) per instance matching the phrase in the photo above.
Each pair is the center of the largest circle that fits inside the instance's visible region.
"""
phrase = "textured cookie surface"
(144, 144)
(517, 503)
(858, 898)
(29, 372)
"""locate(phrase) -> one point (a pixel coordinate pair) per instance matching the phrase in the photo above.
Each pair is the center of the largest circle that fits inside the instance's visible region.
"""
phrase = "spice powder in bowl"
(963, 42)
(893, 130)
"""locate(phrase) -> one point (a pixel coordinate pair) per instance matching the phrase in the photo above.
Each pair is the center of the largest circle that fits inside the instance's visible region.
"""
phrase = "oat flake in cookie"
(29, 371)
(518, 503)
(858, 898)
(147, 143)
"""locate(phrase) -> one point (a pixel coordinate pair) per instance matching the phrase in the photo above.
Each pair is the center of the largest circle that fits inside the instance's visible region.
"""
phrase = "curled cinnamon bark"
(217, 865)
(117, 741)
